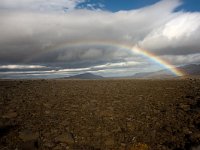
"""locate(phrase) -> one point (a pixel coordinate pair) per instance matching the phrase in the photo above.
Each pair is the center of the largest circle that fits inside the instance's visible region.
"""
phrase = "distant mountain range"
(190, 70)
(193, 69)
(85, 76)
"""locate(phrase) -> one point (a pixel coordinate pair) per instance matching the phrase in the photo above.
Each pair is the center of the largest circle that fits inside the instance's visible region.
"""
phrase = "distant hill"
(157, 74)
(190, 70)
(85, 76)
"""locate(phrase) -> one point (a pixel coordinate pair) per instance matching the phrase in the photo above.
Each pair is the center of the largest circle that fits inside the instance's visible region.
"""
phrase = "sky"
(59, 38)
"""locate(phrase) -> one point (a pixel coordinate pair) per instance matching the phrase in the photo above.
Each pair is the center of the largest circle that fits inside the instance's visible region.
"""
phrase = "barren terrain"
(100, 114)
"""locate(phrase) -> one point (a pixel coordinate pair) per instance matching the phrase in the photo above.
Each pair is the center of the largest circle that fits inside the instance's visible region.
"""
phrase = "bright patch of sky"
(190, 5)
(111, 5)
(118, 5)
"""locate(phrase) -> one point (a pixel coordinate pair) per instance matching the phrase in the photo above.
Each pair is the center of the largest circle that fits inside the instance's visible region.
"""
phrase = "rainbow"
(158, 60)
(135, 49)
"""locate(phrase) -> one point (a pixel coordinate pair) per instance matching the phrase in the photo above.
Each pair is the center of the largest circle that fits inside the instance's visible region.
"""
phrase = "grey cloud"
(40, 5)
(183, 59)
(120, 69)
(29, 36)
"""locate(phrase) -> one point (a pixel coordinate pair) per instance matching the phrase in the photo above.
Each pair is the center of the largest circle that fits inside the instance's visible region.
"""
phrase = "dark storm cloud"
(29, 36)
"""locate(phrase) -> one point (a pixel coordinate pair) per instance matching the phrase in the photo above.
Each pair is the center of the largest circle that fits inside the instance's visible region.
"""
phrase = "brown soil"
(100, 114)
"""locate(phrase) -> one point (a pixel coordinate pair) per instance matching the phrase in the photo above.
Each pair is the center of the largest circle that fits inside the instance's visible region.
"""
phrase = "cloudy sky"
(56, 38)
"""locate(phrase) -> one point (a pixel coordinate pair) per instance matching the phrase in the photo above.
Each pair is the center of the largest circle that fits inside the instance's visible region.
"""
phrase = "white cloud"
(21, 66)
(182, 26)
(117, 65)
(40, 4)
(74, 70)
(180, 35)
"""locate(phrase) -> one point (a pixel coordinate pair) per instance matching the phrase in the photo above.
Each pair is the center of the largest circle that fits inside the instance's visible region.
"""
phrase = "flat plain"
(100, 114)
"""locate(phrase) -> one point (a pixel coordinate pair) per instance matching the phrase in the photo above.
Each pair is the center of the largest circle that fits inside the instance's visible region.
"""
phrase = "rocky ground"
(100, 114)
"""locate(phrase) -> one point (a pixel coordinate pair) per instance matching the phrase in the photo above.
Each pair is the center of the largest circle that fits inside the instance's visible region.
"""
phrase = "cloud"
(41, 5)
(183, 59)
(178, 36)
(91, 6)
(54, 37)
(21, 66)
(18, 71)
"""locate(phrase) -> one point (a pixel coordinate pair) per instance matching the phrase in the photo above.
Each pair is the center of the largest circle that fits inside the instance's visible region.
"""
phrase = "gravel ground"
(100, 114)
